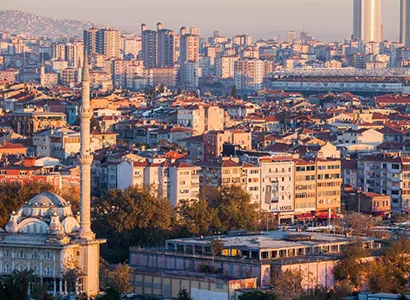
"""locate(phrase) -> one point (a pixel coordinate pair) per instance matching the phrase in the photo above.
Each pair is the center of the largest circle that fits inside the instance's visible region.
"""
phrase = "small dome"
(47, 200)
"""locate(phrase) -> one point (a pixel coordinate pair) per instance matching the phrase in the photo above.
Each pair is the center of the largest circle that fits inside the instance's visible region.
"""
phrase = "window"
(395, 166)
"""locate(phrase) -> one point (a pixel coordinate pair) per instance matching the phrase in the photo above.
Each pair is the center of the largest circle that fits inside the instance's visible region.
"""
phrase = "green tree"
(197, 217)
(39, 292)
(360, 225)
(110, 293)
(216, 246)
(256, 295)
(94, 124)
(184, 295)
(234, 209)
(351, 267)
(378, 277)
(131, 217)
(287, 284)
(15, 286)
(119, 278)
(234, 92)
(397, 265)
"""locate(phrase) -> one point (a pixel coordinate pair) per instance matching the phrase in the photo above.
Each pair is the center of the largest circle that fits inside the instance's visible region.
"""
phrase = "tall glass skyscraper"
(367, 20)
(405, 22)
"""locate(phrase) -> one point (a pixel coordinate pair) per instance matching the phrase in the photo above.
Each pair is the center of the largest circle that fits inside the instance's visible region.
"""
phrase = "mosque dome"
(45, 205)
(44, 213)
(47, 200)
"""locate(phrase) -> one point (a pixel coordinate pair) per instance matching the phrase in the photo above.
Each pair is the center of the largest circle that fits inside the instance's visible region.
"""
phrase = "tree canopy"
(13, 196)
(351, 267)
(131, 217)
(234, 209)
(184, 295)
(388, 273)
(16, 287)
(256, 295)
(234, 92)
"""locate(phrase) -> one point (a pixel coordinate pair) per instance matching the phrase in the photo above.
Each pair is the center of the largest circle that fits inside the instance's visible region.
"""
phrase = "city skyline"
(229, 19)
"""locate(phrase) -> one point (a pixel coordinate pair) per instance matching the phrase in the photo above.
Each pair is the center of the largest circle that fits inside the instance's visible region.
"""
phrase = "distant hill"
(15, 21)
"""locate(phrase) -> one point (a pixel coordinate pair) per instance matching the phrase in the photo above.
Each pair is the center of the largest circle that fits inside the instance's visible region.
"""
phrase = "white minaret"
(79, 71)
(86, 158)
(42, 72)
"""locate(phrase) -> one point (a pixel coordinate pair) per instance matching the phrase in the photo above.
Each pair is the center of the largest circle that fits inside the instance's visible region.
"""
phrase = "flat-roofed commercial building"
(249, 255)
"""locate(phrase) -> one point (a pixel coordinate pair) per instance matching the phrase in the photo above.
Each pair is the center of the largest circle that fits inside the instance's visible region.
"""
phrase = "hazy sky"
(325, 19)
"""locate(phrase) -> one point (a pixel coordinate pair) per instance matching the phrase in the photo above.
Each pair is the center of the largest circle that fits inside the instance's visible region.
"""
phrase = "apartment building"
(225, 66)
(192, 118)
(329, 181)
(361, 136)
(277, 186)
(176, 181)
(30, 172)
(28, 123)
(349, 173)
(158, 76)
(166, 47)
(249, 74)
(59, 142)
(132, 46)
(213, 141)
(227, 172)
(317, 185)
(386, 175)
(305, 186)
(68, 77)
(183, 183)
(201, 118)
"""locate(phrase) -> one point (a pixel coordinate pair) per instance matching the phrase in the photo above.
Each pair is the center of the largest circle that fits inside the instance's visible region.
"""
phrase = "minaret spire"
(79, 71)
(86, 157)
(42, 71)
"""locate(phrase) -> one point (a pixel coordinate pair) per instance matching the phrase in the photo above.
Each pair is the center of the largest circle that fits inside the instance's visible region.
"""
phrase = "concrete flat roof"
(271, 240)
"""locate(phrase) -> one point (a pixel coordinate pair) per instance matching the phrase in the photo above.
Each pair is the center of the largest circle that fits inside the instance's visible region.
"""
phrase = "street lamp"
(358, 202)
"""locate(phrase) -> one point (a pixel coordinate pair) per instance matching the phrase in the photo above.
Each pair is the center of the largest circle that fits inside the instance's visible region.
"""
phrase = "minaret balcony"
(86, 159)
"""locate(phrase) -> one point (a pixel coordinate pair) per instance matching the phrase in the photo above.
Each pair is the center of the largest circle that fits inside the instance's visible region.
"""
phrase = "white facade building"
(176, 182)
(249, 74)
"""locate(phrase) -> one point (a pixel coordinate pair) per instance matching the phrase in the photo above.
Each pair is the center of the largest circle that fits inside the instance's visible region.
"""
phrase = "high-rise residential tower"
(166, 47)
(291, 36)
(405, 22)
(189, 49)
(90, 41)
(103, 41)
(108, 42)
(149, 47)
(367, 20)
(189, 56)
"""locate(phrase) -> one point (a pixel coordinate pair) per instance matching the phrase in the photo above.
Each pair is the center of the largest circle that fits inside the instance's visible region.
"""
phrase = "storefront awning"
(325, 215)
(380, 213)
(303, 216)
